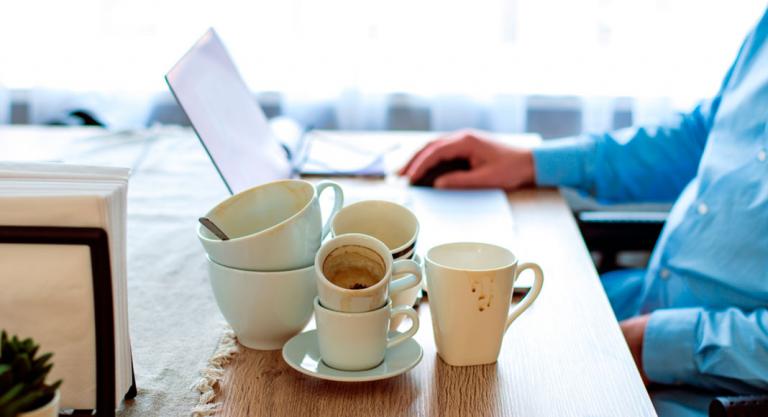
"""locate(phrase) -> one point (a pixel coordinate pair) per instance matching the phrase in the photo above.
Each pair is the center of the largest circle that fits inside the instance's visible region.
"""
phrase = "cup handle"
(532, 294)
(404, 266)
(338, 202)
(402, 337)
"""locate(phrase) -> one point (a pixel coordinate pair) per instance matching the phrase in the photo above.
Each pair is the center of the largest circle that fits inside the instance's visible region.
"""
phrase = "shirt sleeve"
(724, 349)
(636, 164)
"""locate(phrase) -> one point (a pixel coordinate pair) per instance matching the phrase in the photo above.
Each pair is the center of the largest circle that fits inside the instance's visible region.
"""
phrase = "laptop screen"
(226, 117)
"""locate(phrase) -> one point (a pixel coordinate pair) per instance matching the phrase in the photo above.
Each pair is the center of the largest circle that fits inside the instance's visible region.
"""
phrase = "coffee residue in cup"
(354, 267)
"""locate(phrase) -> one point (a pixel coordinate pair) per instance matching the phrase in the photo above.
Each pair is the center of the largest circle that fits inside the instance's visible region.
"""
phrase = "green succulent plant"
(22, 376)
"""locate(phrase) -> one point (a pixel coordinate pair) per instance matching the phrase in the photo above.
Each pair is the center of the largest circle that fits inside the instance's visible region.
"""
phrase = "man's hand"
(633, 330)
(493, 165)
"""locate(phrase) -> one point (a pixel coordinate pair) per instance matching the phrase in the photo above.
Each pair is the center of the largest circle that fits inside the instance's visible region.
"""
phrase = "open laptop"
(237, 136)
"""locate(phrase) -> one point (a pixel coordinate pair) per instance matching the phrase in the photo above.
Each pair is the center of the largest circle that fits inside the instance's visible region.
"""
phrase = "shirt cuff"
(567, 162)
(669, 345)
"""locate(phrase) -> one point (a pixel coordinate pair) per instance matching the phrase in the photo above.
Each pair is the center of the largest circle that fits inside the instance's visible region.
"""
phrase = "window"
(678, 48)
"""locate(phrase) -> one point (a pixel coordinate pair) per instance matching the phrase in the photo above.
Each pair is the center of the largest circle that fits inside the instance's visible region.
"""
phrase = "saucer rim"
(354, 376)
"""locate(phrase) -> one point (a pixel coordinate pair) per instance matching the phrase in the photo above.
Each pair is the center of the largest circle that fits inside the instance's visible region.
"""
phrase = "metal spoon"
(213, 228)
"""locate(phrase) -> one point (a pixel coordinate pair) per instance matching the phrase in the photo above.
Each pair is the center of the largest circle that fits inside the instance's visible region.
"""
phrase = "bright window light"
(673, 48)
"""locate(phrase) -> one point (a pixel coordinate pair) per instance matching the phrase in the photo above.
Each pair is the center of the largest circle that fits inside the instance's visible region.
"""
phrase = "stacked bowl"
(262, 274)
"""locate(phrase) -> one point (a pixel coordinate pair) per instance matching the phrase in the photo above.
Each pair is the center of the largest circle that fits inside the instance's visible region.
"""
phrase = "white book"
(48, 289)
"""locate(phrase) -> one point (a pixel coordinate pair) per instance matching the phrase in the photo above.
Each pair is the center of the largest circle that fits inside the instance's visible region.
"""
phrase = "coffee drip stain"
(484, 298)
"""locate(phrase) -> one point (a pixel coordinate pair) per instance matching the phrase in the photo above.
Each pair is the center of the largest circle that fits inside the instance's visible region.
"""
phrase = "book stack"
(63, 275)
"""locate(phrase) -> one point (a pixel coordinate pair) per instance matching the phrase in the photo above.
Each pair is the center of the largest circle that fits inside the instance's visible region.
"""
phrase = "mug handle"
(532, 294)
(404, 266)
(402, 337)
(338, 202)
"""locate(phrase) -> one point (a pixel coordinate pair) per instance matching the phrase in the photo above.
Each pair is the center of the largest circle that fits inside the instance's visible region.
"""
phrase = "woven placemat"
(174, 323)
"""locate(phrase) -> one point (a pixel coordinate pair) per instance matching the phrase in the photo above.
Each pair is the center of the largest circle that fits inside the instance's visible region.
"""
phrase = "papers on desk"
(315, 153)
(48, 289)
(327, 155)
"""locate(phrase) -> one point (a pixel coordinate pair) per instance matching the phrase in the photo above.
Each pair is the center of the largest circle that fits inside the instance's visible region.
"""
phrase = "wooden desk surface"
(565, 356)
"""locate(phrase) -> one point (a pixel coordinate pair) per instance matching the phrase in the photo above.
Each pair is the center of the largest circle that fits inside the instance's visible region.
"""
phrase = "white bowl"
(271, 227)
(265, 309)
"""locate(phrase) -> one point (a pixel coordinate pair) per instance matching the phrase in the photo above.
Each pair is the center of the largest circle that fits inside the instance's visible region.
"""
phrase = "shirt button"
(761, 156)
(702, 209)
(664, 273)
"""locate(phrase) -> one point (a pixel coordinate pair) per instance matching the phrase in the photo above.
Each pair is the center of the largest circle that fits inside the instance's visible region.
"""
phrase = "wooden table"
(564, 357)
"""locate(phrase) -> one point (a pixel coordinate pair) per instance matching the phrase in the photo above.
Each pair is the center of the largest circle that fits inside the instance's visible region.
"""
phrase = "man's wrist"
(634, 333)
(529, 168)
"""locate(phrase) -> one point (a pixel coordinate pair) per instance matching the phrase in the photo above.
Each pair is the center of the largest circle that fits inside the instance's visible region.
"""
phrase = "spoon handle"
(213, 228)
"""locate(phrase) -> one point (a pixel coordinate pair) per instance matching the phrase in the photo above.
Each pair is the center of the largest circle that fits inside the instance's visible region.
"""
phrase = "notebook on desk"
(60, 214)
(234, 131)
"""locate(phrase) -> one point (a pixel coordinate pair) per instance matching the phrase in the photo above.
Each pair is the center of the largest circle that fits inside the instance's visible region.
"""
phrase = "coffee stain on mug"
(490, 296)
(484, 299)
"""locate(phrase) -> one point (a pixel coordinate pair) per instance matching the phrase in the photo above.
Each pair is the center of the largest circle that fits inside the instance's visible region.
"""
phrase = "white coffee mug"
(271, 227)
(394, 225)
(265, 309)
(359, 341)
(376, 255)
(470, 293)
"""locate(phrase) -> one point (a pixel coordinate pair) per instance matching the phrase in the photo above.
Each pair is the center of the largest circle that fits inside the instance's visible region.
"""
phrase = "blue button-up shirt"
(706, 285)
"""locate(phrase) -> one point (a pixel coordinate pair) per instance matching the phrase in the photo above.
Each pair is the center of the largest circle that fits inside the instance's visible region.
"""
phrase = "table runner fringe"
(212, 375)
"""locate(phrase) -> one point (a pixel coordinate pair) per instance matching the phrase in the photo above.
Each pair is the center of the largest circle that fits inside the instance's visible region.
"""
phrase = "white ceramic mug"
(374, 253)
(271, 227)
(265, 309)
(470, 293)
(394, 225)
(359, 341)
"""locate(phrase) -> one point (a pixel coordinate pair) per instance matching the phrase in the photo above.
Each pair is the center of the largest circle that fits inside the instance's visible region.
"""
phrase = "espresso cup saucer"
(302, 353)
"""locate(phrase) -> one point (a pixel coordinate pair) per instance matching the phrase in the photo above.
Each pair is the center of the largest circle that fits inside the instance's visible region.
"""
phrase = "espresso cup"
(470, 293)
(359, 341)
(271, 227)
(265, 309)
(354, 273)
(394, 225)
